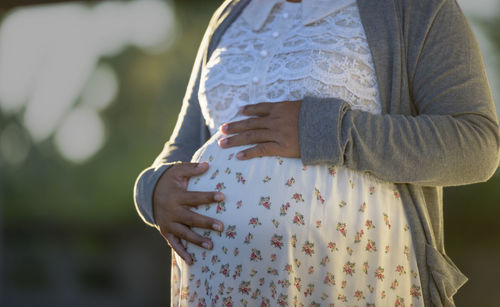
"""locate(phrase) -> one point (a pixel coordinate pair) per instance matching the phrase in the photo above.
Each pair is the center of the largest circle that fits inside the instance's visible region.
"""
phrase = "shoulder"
(224, 9)
(422, 16)
(436, 4)
(217, 17)
(426, 8)
(405, 12)
(417, 17)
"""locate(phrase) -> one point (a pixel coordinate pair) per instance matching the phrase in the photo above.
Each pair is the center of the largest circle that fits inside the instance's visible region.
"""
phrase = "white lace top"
(286, 60)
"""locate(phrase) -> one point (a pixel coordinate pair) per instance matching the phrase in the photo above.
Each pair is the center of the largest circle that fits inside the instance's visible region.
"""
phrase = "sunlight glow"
(49, 57)
(101, 89)
(58, 86)
(80, 135)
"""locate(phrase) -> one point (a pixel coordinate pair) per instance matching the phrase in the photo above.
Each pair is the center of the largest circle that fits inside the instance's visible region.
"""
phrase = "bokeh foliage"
(67, 222)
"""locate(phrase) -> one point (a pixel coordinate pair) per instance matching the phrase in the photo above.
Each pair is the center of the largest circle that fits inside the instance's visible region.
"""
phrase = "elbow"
(142, 196)
(487, 169)
(476, 157)
(487, 155)
(492, 160)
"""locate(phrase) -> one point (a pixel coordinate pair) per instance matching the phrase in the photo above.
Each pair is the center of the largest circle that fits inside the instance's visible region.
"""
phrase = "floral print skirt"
(296, 235)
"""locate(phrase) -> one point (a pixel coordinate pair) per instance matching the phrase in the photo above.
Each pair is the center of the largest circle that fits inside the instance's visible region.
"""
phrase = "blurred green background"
(69, 232)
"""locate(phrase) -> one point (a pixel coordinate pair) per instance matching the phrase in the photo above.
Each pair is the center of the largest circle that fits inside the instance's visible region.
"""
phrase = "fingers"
(174, 217)
(186, 169)
(176, 244)
(194, 198)
(247, 138)
(246, 124)
(258, 109)
(262, 149)
(185, 233)
(194, 219)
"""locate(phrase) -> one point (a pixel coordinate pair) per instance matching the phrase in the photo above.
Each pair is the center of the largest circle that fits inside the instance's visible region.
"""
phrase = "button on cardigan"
(438, 125)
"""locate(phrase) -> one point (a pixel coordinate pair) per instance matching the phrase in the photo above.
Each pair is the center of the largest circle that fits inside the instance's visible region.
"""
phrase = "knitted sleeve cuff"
(320, 135)
(144, 188)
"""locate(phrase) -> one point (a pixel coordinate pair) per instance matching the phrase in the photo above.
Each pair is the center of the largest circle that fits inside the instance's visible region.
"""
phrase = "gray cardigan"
(438, 125)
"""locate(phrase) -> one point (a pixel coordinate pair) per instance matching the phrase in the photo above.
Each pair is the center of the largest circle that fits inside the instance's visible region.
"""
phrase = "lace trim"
(329, 58)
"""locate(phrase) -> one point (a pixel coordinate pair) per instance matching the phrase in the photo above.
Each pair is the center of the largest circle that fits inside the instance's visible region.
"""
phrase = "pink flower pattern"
(292, 245)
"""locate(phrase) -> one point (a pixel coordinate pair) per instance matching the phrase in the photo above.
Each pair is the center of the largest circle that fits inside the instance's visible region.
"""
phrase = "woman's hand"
(171, 206)
(274, 130)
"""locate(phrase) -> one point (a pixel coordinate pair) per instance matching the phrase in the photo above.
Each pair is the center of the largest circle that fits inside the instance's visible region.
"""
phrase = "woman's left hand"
(274, 129)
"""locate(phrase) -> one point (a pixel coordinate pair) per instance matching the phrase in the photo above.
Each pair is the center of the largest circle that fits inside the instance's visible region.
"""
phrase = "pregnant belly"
(296, 233)
(277, 203)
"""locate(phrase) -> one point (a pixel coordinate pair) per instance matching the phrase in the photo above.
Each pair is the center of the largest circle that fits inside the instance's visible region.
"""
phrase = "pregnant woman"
(328, 147)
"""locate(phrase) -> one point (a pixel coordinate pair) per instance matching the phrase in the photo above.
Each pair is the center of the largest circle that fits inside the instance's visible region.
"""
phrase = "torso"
(294, 234)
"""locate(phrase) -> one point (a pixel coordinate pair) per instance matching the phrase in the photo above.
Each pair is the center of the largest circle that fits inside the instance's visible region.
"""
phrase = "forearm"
(449, 132)
(187, 137)
(185, 140)
(427, 149)
(183, 143)
(180, 148)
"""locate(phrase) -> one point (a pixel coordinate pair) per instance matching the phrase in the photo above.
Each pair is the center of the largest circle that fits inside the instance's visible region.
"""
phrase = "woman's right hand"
(171, 206)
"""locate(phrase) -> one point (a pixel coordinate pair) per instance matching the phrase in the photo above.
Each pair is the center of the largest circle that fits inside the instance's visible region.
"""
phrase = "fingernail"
(222, 142)
(240, 109)
(223, 128)
(217, 227)
(206, 245)
(201, 165)
(240, 155)
(218, 196)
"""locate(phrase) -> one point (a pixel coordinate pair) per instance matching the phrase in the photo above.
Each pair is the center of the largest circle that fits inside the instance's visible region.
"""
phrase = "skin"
(172, 203)
(273, 127)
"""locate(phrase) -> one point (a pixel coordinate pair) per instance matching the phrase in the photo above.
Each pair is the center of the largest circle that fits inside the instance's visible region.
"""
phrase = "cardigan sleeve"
(190, 130)
(181, 146)
(183, 143)
(452, 140)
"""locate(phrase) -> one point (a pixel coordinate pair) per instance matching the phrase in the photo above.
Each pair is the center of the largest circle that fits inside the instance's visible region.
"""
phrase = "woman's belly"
(281, 195)
(287, 225)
